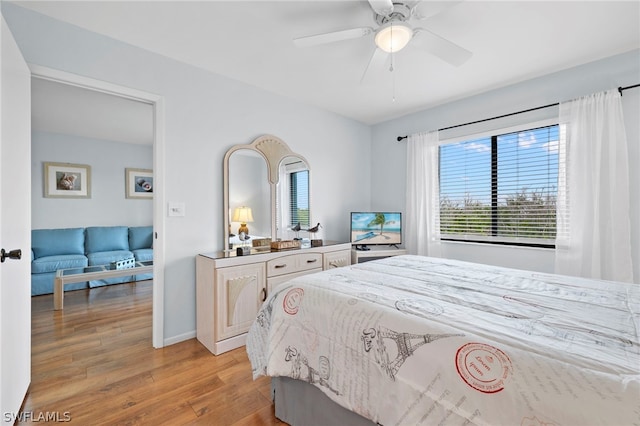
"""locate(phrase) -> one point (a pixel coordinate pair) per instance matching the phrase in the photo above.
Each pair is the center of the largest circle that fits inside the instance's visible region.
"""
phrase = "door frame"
(157, 102)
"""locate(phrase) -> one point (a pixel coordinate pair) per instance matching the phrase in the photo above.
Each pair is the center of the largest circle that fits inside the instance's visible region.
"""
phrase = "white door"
(15, 226)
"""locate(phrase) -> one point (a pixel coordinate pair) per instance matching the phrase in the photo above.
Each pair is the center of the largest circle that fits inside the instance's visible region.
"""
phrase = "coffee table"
(77, 275)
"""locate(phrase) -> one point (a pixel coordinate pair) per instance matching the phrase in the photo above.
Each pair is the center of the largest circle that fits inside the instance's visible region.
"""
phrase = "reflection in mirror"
(248, 189)
(292, 198)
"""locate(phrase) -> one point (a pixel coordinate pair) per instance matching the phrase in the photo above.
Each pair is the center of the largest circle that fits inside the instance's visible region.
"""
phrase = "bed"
(413, 340)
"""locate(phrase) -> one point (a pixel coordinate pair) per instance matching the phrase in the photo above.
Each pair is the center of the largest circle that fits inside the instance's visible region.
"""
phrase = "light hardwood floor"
(94, 363)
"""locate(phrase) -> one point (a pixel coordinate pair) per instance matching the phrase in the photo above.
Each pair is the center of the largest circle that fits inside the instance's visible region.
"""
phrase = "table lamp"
(243, 215)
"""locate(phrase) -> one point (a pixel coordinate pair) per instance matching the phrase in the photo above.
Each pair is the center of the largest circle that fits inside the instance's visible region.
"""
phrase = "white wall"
(108, 205)
(205, 114)
(389, 156)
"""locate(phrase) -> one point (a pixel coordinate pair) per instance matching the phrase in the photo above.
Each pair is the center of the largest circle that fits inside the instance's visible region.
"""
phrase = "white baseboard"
(179, 338)
(219, 347)
(230, 344)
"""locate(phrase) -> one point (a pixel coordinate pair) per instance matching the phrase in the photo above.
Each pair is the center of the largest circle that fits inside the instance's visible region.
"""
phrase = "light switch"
(176, 209)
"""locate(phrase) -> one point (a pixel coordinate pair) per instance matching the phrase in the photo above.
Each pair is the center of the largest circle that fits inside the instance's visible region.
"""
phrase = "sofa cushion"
(106, 257)
(43, 284)
(53, 263)
(143, 255)
(140, 237)
(106, 238)
(51, 242)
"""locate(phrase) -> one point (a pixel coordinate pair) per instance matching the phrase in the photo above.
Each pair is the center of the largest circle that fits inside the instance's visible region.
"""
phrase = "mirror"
(266, 193)
(249, 187)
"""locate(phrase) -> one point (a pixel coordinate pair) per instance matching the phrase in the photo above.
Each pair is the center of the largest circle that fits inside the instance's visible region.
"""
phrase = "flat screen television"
(376, 228)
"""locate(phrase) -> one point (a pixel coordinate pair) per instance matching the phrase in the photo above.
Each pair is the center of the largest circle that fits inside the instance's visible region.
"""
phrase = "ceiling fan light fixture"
(393, 37)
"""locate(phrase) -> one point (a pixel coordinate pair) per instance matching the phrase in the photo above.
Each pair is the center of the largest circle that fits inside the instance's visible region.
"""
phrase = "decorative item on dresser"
(230, 289)
(315, 242)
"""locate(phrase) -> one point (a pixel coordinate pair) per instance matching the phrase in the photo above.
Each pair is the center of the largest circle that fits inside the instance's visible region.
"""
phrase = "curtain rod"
(620, 89)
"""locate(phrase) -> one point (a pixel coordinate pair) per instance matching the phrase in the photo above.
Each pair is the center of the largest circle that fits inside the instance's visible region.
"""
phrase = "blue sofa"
(53, 249)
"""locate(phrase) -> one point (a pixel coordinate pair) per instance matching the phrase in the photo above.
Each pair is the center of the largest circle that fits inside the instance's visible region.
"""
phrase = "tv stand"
(376, 252)
(362, 247)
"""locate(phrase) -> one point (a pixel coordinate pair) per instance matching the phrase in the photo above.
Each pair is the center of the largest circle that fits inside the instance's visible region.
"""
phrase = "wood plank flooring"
(94, 363)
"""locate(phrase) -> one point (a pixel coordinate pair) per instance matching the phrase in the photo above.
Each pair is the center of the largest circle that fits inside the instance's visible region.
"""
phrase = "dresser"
(230, 289)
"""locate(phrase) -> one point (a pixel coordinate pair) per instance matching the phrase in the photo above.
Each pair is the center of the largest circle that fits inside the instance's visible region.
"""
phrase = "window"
(501, 188)
(299, 198)
(292, 200)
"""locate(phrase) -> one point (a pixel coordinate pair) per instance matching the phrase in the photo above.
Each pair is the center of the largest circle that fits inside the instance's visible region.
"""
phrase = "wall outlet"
(176, 210)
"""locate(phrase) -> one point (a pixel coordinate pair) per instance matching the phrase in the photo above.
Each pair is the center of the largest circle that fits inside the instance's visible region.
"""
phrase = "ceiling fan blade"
(444, 49)
(377, 60)
(382, 7)
(427, 9)
(331, 37)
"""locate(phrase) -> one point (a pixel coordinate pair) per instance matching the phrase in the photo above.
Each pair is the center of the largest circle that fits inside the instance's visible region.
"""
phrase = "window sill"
(514, 244)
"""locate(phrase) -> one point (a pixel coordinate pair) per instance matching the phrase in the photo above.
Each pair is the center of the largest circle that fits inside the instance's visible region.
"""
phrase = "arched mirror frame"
(274, 150)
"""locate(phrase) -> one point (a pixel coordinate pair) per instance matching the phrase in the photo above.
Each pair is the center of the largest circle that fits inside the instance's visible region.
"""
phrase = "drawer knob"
(284, 265)
(312, 260)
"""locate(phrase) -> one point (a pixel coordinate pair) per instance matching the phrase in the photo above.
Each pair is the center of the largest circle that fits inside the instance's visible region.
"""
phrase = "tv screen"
(370, 228)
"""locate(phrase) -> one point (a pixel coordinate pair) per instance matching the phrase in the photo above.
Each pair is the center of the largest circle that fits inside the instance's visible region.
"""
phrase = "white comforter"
(412, 340)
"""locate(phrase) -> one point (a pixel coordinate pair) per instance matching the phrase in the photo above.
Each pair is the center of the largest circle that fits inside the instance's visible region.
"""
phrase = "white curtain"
(422, 217)
(594, 237)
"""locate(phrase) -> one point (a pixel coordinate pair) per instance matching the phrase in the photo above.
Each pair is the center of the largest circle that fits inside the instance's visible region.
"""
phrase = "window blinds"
(501, 188)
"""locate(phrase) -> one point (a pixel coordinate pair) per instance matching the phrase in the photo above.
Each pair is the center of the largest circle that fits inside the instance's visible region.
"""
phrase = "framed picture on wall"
(66, 180)
(139, 183)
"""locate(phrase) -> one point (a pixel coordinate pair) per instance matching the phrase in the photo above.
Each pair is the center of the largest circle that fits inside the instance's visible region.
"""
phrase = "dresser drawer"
(274, 282)
(337, 259)
(293, 263)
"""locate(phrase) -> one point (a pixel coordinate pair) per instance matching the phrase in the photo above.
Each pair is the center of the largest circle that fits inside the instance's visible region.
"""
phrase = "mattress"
(418, 340)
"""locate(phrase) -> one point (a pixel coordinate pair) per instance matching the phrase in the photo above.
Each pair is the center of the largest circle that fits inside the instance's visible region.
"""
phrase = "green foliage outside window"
(526, 214)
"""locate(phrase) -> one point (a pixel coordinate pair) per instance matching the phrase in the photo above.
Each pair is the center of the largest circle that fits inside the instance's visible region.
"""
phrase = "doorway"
(142, 102)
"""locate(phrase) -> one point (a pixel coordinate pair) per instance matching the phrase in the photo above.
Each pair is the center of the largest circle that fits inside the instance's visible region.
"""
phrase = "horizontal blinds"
(527, 165)
(465, 188)
(502, 187)
(299, 198)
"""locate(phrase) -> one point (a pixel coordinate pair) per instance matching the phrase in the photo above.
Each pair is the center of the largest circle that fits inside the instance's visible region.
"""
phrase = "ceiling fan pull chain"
(393, 81)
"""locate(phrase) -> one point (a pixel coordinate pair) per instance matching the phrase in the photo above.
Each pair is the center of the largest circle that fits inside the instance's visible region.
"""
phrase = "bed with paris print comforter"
(412, 340)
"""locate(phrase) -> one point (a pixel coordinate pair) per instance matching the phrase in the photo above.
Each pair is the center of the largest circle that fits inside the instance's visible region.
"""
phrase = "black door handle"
(13, 254)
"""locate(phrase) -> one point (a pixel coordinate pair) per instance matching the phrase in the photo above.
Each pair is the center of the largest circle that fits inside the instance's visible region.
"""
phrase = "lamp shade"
(242, 214)
(393, 37)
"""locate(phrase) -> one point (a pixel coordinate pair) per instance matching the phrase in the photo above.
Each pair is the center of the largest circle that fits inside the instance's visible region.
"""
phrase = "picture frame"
(67, 180)
(138, 183)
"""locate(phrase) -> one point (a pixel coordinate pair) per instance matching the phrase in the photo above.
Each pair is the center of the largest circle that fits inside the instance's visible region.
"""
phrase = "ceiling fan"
(395, 30)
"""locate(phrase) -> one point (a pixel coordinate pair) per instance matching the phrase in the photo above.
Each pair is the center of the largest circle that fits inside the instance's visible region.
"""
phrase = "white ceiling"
(65, 109)
(511, 41)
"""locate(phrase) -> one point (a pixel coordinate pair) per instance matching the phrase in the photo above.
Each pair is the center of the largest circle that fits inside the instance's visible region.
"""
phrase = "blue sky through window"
(302, 184)
(526, 160)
